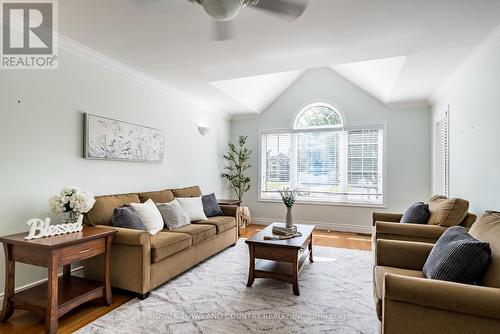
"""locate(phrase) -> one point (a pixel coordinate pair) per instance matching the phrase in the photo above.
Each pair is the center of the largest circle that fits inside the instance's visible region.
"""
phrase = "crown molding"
(487, 46)
(71, 46)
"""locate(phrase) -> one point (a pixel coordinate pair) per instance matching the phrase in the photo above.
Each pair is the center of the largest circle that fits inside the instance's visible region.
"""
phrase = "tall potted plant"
(237, 163)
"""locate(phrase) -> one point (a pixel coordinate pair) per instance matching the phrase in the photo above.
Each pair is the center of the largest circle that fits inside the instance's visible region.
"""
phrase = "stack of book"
(281, 229)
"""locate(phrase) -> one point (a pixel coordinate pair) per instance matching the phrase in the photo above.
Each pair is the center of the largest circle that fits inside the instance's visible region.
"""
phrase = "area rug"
(335, 297)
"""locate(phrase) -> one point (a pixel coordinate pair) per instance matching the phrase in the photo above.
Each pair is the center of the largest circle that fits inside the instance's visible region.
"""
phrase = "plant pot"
(289, 218)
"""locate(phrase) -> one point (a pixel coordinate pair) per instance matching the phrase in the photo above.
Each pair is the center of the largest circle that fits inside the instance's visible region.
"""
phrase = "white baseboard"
(319, 225)
(30, 285)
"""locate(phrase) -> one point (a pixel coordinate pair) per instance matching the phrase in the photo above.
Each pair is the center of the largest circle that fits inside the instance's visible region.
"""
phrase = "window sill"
(349, 204)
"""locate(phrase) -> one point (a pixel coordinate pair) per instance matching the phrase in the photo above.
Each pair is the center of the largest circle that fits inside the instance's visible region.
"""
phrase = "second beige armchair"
(445, 212)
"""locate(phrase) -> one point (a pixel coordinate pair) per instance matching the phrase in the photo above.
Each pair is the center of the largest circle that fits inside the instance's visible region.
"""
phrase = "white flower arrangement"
(72, 199)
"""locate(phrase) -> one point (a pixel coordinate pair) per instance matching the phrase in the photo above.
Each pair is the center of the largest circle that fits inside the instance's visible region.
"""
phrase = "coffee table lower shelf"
(72, 291)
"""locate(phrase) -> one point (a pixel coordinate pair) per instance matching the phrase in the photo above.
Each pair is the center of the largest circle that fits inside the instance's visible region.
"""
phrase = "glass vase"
(289, 218)
(72, 217)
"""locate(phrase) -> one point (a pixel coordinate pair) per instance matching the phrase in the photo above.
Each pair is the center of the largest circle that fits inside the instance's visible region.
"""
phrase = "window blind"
(324, 165)
(441, 156)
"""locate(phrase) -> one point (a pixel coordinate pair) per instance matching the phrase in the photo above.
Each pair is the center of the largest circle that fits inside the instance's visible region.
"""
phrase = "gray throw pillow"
(126, 217)
(458, 257)
(418, 213)
(173, 215)
(210, 206)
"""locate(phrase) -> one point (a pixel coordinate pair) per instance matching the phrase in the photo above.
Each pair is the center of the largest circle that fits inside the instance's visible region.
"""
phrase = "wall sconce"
(203, 129)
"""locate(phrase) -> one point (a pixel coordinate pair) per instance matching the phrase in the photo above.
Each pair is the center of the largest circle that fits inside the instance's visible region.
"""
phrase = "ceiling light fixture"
(222, 10)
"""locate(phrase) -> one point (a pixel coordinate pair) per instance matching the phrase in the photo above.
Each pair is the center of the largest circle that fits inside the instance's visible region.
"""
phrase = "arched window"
(324, 159)
(318, 116)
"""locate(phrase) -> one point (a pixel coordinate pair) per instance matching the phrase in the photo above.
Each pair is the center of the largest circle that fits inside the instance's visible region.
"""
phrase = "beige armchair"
(388, 226)
(407, 302)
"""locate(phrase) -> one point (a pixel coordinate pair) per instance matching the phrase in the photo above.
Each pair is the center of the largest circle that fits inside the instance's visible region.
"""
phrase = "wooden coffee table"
(279, 259)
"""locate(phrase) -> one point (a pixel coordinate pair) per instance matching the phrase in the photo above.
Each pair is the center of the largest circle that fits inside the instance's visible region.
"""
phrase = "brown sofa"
(445, 212)
(407, 302)
(141, 262)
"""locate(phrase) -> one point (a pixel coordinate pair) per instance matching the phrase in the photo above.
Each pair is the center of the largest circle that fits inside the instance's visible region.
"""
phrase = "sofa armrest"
(229, 210)
(454, 297)
(386, 217)
(423, 231)
(127, 236)
(402, 254)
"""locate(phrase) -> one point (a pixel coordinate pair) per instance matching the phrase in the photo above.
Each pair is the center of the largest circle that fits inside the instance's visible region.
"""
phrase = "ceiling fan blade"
(222, 30)
(281, 7)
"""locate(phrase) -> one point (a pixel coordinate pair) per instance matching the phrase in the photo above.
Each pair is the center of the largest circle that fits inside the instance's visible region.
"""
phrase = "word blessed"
(40, 228)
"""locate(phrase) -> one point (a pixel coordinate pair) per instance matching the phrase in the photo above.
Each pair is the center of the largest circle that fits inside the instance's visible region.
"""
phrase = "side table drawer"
(82, 251)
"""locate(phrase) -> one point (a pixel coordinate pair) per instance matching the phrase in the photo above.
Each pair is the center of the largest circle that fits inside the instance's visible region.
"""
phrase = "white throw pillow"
(173, 214)
(193, 207)
(150, 216)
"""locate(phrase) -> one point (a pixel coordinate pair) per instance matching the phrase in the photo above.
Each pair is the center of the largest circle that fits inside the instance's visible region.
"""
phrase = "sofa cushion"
(193, 208)
(210, 206)
(150, 216)
(378, 282)
(102, 212)
(418, 213)
(198, 232)
(165, 244)
(126, 217)
(193, 191)
(173, 215)
(222, 223)
(487, 229)
(162, 196)
(447, 211)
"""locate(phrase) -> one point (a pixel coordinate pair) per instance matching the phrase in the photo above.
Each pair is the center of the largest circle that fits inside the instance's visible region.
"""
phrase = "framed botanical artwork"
(111, 139)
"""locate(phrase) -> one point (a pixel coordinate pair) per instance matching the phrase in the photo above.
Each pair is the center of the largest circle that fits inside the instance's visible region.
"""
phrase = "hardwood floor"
(23, 322)
(326, 238)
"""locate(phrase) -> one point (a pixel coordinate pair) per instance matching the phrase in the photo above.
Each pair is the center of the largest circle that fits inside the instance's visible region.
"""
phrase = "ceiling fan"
(223, 11)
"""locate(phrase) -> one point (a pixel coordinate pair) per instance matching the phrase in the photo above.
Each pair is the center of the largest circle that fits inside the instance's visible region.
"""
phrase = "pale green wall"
(408, 154)
(41, 141)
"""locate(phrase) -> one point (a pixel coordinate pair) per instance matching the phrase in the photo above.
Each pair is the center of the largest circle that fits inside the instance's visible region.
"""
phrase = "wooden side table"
(57, 296)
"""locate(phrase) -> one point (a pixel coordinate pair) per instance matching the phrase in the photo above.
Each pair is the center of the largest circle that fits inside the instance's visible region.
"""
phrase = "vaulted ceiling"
(400, 51)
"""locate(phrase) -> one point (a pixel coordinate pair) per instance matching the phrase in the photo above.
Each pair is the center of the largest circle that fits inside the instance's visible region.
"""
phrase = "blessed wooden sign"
(40, 228)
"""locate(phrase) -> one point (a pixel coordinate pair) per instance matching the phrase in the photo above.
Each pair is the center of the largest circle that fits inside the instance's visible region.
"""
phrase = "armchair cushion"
(418, 213)
(447, 211)
(487, 229)
(457, 257)
(402, 254)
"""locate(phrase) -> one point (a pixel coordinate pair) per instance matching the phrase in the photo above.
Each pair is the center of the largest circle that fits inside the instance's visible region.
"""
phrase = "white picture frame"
(111, 139)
